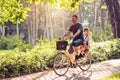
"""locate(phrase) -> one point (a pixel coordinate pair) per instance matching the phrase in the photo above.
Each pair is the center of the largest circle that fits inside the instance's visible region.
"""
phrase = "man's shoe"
(72, 65)
(78, 56)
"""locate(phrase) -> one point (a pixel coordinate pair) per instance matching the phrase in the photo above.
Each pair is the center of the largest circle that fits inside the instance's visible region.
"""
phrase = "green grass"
(3, 52)
(112, 77)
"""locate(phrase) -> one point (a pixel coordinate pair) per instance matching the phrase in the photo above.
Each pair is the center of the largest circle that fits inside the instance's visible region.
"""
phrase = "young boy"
(87, 40)
(87, 37)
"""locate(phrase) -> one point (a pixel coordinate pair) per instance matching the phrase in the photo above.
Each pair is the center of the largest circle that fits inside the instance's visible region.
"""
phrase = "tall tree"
(114, 15)
(33, 20)
(14, 11)
(101, 15)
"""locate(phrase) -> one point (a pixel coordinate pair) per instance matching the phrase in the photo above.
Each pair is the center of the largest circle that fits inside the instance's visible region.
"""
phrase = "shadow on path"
(83, 75)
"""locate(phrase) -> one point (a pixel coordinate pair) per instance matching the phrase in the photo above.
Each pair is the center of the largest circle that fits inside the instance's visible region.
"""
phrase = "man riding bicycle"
(78, 38)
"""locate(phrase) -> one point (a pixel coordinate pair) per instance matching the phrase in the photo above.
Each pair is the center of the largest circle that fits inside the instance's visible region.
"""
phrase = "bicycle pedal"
(73, 65)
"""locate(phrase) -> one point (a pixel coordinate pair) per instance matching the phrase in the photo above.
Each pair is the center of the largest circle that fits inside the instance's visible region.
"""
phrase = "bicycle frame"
(80, 48)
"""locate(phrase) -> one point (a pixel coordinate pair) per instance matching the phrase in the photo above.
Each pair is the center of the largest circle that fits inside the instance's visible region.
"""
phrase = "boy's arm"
(90, 40)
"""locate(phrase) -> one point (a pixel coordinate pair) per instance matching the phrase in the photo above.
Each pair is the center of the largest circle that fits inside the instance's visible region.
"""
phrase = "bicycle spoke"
(61, 64)
(85, 62)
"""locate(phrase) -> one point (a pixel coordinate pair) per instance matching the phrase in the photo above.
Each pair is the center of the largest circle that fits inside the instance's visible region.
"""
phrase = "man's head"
(86, 31)
(74, 19)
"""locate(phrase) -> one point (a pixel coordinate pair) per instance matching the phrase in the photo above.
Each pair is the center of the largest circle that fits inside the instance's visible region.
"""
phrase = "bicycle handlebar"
(64, 38)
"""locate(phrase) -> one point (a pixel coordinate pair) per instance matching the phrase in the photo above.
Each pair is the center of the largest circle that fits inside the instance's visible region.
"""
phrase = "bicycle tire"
(61, 62)
(85, 65)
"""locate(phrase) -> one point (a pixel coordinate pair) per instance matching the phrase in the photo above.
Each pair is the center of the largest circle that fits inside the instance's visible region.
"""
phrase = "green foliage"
(47, 50)
(12, 10)
(73, 4)
(98, 57)
(104, 6)
(41, 57)
(100, 35)
(106, 50)
(18, 64)
(23, 47)
(5, 52)
(37, 2)
(9, 43)
(112, 77)
(37, 59)
(14, 42)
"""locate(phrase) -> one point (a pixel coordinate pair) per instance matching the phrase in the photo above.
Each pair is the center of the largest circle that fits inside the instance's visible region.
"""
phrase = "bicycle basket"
(61, 45)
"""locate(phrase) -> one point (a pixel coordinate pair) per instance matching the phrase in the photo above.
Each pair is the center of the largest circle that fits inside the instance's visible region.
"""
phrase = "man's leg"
(72, 58)
(75, 49)
(77, 43)
(71, 55)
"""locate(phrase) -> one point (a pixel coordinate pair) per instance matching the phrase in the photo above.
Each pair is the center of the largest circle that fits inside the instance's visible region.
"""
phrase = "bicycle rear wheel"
(61, 64)
(85, 62)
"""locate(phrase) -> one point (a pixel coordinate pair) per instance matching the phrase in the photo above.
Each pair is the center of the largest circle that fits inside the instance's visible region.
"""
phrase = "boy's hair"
(86, 29)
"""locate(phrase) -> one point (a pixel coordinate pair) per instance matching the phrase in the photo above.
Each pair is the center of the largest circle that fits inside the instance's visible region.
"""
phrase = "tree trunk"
(47, 23)
(34, 25)
(17, 28)
(101, 15)
(0, 30)
(3, 31)
(45, 29)
(37, 27)
(29, 29)
(50, 23)
(114, 13)
(95, 13)
(80, 12)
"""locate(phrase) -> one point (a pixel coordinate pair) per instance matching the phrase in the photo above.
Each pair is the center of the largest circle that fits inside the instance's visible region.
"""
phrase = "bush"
(19, 63)
(100, 35)
(41, 57)
(106, 50)
(9, 43)
(14, 42)
(98, 57)
(22, 47)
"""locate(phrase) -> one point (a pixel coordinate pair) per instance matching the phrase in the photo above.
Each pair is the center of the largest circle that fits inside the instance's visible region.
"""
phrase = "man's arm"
(77, 33)
(67, 33)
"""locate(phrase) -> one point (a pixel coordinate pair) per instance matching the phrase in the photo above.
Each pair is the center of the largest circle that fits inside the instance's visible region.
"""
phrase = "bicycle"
(61, 61)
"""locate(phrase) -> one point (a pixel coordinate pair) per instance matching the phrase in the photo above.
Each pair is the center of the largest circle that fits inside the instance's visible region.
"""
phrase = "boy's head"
(86, 31)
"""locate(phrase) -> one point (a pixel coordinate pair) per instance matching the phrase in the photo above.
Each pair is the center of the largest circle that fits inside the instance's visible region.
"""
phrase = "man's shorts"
(75, 43)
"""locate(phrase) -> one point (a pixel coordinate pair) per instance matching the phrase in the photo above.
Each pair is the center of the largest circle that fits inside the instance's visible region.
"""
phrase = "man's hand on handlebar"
(61, 38)
(72, 37)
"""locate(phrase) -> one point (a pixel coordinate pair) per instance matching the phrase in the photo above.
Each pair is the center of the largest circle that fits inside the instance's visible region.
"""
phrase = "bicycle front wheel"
(61, 64)
(85, 62)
